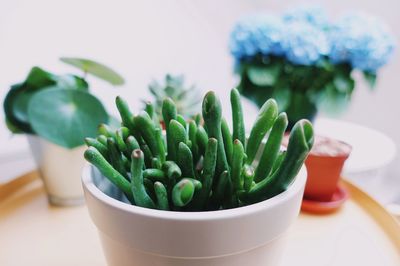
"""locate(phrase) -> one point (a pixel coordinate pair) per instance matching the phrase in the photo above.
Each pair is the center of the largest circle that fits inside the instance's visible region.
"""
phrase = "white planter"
(135, 236)
(60, 170)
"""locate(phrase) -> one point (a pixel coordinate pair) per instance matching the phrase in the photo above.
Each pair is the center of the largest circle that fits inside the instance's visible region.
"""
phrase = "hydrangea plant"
(304, 60)
(362, 41)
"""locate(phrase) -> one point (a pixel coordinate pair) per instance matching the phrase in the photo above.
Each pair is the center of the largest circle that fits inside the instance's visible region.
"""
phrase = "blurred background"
(143, 40)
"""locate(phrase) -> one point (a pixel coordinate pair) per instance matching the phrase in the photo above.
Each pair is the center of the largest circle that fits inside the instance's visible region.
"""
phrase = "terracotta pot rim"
(342, 155)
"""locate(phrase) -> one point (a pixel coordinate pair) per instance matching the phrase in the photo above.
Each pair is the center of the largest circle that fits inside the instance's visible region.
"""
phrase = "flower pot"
(60, 169)
(135, 236)
(324, 166)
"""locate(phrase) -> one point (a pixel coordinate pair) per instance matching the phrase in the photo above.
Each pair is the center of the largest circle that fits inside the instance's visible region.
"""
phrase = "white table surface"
(371, 148)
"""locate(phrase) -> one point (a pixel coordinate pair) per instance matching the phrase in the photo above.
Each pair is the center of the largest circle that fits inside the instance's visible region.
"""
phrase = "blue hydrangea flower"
(257, 34)
(314, 15)
(304, 44)
(361, 40)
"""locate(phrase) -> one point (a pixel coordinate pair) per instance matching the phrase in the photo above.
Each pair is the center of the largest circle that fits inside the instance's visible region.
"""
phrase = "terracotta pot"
(324, 168)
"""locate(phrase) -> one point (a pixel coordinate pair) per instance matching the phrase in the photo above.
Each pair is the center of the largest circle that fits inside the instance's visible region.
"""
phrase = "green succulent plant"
(200, 167)
(187, 99)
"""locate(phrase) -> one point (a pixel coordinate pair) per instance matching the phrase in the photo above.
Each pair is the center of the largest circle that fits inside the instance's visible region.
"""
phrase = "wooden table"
(34, 233)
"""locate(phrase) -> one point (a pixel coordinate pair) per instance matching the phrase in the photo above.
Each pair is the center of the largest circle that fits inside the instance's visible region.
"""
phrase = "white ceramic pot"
(60, 170)
(136, 236)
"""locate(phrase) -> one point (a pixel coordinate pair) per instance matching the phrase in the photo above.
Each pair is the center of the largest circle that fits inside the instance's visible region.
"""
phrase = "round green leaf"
(65, 117)
(96, 69)
(22, 98)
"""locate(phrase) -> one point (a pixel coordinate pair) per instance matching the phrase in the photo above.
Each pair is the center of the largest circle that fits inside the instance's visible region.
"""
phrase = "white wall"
(145, 39)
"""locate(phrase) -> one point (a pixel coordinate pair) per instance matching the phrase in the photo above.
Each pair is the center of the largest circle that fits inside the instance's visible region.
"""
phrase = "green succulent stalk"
(200, 167)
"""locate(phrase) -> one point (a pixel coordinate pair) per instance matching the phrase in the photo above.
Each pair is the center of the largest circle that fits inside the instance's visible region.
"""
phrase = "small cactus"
(196, 167)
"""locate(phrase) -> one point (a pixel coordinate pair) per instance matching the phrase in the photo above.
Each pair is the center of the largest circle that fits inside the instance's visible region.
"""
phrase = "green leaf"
(96, 69)
(333, 101)
(13, 128)
(72, 82)
(16, 102)
(264, 75)
(282, 97)
(344, 84)
(325, 64)
(344, 68)
(65, 117)
(39, 78)
(300, 107)
(21, 102)
(256, 94)
(20, 105)
(301, 77)
(315, 95)
(18, 98)
(13, 115)
(370, 78)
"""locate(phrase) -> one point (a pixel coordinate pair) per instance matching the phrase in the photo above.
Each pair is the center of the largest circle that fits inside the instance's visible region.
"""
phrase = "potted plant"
(56, 112)
(324, 166)
(323, 192)
(186, 98)
(305, 61)
(201, 195)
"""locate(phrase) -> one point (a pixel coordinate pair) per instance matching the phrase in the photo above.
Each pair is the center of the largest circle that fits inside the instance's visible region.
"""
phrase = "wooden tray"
(34, 233)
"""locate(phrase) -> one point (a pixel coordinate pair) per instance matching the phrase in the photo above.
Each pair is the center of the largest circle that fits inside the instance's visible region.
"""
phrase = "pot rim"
(342, 155)
(292, 190)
